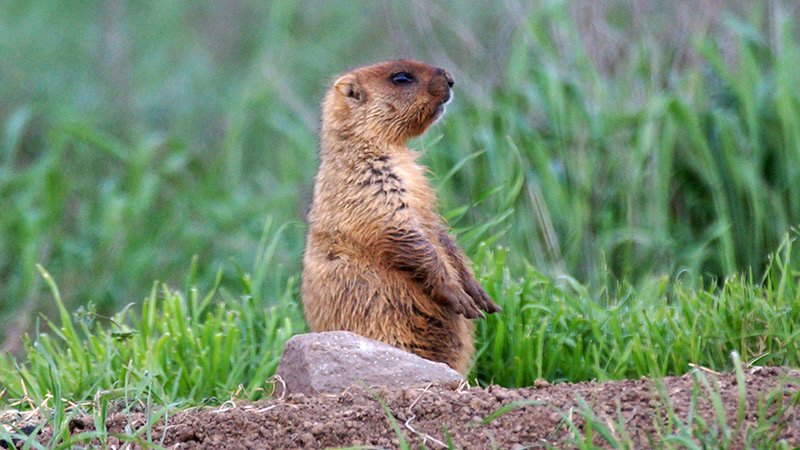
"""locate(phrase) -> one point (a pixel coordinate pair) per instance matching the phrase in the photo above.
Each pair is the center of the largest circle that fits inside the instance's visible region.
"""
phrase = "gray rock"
(332, 361)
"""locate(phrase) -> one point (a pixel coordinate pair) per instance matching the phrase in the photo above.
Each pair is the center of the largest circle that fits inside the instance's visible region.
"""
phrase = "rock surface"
(332, 361)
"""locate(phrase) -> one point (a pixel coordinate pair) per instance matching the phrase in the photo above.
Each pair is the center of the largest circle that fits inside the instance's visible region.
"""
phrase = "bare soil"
(542, 418)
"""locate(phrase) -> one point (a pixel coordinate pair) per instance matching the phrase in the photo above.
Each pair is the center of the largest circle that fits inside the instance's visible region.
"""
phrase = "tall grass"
(178, 345)
(646, 173)
(139, 144)
(637, 191)
(188, 346)
(563, 330)
(185, 348)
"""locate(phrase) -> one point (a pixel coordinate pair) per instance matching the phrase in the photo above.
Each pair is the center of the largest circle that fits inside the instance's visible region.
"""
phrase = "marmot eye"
(402, 78)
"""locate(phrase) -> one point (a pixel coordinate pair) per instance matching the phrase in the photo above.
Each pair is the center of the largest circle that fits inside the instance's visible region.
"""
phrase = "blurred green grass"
(632, 141)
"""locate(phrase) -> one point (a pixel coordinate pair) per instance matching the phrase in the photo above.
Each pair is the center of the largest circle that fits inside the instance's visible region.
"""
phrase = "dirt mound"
(536, 417)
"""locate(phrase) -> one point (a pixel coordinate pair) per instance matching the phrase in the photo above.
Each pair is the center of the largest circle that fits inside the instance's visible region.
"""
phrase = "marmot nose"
(447, 76)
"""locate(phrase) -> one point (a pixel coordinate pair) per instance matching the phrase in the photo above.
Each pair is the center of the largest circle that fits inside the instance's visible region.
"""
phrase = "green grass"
(179, 346)
(627, 192)
(181, 349)
(131, 152)
(559, 329)
(201, 346)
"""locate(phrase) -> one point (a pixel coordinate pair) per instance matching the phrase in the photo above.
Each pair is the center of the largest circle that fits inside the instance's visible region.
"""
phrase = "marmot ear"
(349, 88)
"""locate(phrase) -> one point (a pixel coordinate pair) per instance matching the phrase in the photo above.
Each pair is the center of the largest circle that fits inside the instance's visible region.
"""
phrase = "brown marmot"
(379, 261)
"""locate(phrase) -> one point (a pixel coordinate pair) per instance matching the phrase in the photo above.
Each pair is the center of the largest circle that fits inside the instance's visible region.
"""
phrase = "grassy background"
(620, 172)
(625, 175)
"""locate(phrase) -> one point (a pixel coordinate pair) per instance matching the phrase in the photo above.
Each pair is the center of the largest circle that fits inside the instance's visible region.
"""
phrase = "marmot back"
(379, 260)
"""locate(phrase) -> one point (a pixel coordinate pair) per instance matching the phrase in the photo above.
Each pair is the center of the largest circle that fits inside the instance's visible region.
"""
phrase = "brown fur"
(379, 261)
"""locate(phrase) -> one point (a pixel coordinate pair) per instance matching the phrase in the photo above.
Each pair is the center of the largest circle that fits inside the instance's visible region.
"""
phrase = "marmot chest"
(394, 186)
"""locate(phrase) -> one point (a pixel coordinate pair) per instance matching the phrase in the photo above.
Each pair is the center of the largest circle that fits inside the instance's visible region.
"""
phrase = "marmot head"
(387, 102)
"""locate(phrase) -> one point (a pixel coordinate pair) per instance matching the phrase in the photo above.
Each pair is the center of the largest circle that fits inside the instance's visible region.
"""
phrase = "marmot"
(379, 261)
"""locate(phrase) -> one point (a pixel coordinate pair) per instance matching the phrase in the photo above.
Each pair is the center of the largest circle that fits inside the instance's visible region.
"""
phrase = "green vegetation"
(129, 153)
(561, 330)
(627, 193)
(180, 346)
(195, 349)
